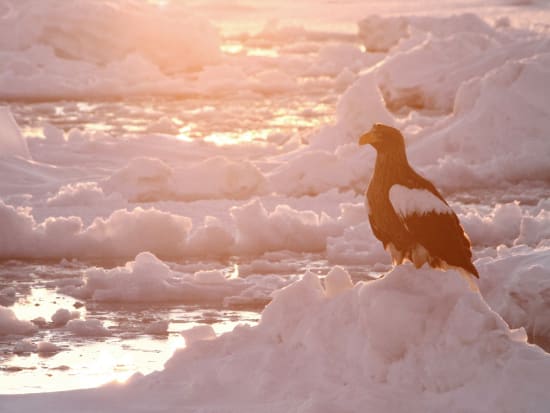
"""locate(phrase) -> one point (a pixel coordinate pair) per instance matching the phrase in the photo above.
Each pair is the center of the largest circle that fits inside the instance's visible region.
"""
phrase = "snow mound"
(81, 193)
(108, 32)
(12, 142)
(7, 296)
(62, 316)
(24, 346)
(124, 46)
(457, 48)
(122, 234)
(10, 324)
(302, 175)
(149, 280)
(510, 143)
(198, 333)
(382, 33)
(285, 228)
(159, 328)
(249, 229)
(87, 328)
(422, 332)
(516, 284)
(47, 347)
(150, 179)
(471, 105)
(499, 226)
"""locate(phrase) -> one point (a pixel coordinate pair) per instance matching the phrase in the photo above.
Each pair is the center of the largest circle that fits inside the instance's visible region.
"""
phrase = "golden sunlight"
(232, 138)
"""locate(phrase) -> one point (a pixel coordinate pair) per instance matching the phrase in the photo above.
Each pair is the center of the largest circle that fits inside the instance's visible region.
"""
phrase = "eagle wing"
(432, 224)
(377, 232)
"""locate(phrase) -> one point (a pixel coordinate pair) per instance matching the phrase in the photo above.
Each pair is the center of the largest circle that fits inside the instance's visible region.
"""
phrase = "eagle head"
(383, 138)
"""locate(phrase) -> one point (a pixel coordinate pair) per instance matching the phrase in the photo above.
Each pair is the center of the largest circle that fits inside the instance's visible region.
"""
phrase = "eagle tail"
(470, 278)
(471, 269)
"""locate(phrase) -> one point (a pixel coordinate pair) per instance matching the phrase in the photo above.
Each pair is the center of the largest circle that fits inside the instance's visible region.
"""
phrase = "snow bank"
(81, 193)
(127, 46)
(333, 59)
(87, 328)
(158, 328)
(301, 175)
(471, 103)
(357, 245)
(124, 233)
(214, 238)
(141, 179)
(442, 53)
(44, 348)
(149, 280)
(283, 229)
(10, 324)
(535, 229)
(337, 281)
(7, 296)
(516, 284)
(414, 341)
(249, 229)
(150, 179)
(423, 333)
(499, 226)
(381, 33)
(12, 142)
(109, 32)
(62, 316)
(24, 346)
(500, 128)
(198, 333)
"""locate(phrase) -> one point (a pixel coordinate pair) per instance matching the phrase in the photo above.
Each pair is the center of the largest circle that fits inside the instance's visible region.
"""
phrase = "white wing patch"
(407, 201)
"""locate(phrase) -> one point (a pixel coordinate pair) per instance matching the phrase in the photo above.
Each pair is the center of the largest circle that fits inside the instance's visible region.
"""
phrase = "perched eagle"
(407, 214)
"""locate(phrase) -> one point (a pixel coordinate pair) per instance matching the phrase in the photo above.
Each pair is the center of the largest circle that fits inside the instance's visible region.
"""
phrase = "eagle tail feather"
(470, 279)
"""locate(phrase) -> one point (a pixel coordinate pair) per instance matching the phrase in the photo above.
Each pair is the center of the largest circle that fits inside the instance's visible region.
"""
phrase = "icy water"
(83, 362)
(212, 120)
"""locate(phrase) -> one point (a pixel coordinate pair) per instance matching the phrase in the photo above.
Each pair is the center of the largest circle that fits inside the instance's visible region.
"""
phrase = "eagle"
(408, 214)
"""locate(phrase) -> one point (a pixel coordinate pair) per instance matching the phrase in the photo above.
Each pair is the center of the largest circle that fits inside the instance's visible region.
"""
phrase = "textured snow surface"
(117, 50)
(236, 169)
(149, 280)
(421, 333)
(12, 142)
(10, 324)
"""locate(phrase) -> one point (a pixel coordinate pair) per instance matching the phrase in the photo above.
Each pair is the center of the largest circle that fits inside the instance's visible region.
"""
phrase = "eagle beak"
(368, 138)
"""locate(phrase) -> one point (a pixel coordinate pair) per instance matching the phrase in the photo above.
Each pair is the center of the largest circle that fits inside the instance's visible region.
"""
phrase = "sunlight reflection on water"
(221, 120)
(84, 362)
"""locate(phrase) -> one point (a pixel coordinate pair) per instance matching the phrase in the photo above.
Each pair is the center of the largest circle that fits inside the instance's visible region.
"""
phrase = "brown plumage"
(407, 213)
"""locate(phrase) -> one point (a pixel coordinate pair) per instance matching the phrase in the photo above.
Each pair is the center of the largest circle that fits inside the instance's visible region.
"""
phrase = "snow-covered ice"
(62, 316)
(169, 172)
(420, 333)
(12, 142)
(149, 280)
(87, 328)
(10, 324)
